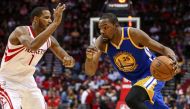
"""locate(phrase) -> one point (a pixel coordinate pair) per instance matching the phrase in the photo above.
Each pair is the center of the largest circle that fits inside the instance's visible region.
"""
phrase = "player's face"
(107, 29)
(45, 19)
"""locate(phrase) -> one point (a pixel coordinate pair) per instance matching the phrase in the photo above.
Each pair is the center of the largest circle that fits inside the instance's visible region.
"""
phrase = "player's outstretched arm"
(92, 59)
(68, 61)
(20, 32)
(141, 38)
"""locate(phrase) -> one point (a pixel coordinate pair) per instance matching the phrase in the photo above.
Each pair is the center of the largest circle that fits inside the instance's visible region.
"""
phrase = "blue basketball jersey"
(132, 62)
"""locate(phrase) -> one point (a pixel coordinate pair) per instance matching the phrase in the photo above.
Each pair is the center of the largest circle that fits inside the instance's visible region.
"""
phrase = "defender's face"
(107, 29)
(45, 19)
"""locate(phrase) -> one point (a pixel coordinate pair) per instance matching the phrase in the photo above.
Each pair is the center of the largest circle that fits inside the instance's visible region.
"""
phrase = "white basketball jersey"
(19, 62)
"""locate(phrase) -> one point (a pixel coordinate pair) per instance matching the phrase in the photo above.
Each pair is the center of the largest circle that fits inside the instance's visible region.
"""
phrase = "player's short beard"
(41, 25)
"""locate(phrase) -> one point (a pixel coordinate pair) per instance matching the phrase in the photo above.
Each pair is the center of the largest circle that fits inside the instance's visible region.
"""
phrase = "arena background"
(167, 21)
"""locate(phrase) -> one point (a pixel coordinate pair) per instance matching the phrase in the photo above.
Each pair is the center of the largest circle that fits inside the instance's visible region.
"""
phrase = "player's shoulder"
(134, 31)
(18, 31)
(21, 29)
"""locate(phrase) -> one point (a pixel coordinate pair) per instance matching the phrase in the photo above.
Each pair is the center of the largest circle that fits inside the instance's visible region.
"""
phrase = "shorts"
(14, 95)
(153, 87)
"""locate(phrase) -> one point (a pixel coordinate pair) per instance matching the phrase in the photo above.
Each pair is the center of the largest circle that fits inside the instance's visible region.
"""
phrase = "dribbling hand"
(175, 64)
(58, 12)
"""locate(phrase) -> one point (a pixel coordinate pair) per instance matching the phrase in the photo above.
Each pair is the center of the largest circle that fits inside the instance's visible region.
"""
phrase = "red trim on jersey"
(6, 96)
(32, 31)
(12, 50)
(7, 58)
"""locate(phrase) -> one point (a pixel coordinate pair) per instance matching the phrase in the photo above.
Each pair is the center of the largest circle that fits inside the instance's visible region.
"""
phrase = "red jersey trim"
(12, 50)
(7, 58)
(6, 96)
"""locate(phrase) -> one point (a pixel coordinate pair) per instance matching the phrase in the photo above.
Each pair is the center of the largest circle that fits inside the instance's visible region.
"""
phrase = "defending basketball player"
(26, 45)
(128, 51)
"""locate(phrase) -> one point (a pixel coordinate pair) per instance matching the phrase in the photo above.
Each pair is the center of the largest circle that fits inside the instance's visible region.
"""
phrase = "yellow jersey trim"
(132, 40)
(106, 48)
(122, 38)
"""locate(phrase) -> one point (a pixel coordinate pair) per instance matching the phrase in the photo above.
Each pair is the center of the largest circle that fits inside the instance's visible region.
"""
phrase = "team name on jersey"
(39, 51)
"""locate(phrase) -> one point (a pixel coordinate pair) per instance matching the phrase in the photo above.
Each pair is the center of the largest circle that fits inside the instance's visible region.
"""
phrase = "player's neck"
(37, 30)
(117, 36)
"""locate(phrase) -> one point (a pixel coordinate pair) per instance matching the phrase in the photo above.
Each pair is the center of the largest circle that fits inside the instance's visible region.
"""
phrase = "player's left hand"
(58, 13)
(68, 61)
(174, 64)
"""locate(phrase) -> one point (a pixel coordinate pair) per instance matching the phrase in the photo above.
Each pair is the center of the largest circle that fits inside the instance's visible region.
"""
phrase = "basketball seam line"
(160, 72)
(166, 66)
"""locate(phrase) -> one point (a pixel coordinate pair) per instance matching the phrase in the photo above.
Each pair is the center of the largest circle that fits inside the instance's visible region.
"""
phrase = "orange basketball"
(161, 68)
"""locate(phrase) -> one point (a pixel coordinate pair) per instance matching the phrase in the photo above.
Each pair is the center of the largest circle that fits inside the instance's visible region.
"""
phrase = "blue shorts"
(153, 87)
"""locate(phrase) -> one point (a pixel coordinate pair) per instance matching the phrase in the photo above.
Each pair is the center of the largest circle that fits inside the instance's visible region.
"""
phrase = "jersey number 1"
(31, 59)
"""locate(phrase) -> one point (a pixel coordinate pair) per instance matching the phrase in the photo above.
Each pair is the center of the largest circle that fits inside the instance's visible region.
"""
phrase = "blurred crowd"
(167, 21)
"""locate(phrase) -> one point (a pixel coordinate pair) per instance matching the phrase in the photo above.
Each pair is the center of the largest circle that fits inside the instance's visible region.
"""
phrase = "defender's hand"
(58, 12)
(68, 61)
(90, 51)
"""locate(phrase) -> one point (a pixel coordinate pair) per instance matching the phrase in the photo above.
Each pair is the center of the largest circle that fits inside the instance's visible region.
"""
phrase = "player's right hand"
(174, 64)
(90, 51)
(58, 12)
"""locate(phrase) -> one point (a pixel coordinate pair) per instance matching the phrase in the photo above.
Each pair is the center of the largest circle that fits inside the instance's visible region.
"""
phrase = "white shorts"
(14, 95)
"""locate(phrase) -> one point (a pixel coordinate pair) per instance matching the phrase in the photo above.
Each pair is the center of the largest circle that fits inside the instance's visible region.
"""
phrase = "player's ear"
(35, 19)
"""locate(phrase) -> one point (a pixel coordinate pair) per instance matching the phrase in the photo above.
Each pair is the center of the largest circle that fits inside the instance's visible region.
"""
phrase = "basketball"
(161, 68)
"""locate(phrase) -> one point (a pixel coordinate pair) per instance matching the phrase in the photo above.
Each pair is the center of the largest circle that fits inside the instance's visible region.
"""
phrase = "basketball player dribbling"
(127, 49)
(26, 45)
